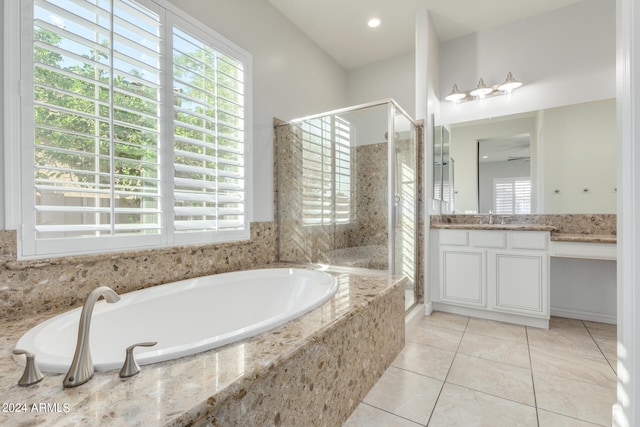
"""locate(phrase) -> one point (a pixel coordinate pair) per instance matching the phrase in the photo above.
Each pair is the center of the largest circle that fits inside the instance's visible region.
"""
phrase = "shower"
(347, 194)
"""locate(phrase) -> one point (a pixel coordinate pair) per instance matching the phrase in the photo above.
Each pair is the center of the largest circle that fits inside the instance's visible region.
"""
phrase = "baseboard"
(412, 318)
(428, 309)
(584, 315)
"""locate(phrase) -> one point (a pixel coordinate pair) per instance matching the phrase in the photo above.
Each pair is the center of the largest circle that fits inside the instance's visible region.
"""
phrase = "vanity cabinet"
(497, 274)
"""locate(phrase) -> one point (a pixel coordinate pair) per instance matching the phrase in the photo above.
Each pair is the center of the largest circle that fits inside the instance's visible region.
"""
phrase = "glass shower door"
(403, 188)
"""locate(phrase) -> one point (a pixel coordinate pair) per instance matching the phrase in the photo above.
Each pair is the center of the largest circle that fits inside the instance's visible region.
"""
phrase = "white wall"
(579, 152)
(563, 57)
(391, 78)
(292, 76)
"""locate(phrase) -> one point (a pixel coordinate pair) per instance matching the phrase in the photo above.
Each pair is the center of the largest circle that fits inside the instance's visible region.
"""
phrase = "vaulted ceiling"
(340, 26)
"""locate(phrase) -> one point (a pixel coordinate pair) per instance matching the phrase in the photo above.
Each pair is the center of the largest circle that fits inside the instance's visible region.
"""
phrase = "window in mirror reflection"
(504, 175)
(512, 195)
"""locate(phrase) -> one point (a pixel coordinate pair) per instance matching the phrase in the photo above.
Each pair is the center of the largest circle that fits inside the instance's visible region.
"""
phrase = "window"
(512, 195)
(326, 171)
(136, 129)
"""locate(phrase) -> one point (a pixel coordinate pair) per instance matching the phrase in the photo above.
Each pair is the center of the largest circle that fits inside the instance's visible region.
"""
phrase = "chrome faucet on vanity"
(81, 369)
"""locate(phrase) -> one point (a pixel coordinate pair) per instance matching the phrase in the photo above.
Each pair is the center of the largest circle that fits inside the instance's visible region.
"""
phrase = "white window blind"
(208, 89)
(326, 171)
(512, 195)
(138, 128)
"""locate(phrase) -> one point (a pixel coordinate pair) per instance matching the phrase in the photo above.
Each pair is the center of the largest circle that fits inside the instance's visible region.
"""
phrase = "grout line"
(533, 383)
(388, 412)
(444, 381)
(601, 351)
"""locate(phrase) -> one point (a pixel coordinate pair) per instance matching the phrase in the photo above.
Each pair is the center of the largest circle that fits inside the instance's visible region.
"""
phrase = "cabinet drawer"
(489, 239)
(529, 240)
(454, 237)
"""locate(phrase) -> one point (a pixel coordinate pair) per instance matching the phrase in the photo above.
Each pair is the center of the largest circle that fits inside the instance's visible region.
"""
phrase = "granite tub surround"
(587, 228)
(312, 371)
(30, 287)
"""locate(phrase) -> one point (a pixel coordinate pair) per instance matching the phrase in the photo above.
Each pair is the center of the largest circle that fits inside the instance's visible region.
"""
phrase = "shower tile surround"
(312, 371)
(360, 244)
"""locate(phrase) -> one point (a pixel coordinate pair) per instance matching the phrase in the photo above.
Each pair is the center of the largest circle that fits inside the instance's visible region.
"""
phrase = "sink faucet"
(81, 369)
(490, 216)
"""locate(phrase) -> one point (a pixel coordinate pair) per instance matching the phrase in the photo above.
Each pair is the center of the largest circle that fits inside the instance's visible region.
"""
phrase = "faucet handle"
(503, 217)
(131, 367)
(31, 374)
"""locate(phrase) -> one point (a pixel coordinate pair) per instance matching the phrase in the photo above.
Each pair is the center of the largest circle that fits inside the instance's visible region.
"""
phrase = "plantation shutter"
(96, 84)
(512, 195)
(136, 123)
(208, 99)
(326, 171)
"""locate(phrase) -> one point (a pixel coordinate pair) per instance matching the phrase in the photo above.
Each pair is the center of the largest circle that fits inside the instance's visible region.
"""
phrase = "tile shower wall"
(28, 287)
(362, 242)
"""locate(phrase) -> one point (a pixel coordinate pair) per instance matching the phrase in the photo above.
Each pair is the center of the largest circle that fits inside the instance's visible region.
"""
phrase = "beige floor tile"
(406, 394)
(604, 333)
(600, 326)
(506, 381)
(563, 324)
(368, 416)
(491, 328)
(562, 340)
(595, 370)
(425, 360)
(549, 419)
(610, 350)
(498, 350)
(435, 336)
(577, 399)
(461, 407)
(446, 320)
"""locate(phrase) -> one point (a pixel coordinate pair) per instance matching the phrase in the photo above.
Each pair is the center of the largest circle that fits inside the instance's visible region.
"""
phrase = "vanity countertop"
(583, 238)
(177, 392)
(509, 227)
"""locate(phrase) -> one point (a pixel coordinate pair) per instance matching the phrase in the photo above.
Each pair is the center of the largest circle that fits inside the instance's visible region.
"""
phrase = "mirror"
(571, 160)
(504, 175)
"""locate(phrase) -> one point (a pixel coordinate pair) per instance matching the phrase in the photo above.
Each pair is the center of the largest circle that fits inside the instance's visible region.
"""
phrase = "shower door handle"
(397, 212)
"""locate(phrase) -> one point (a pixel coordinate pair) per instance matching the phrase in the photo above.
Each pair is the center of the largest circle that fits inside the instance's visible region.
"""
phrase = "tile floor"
(462, 371)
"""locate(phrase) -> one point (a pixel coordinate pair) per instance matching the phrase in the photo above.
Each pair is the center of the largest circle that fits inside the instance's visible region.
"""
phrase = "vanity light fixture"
(509, 84)
(483, 91)
(455, 95)
(374, 22)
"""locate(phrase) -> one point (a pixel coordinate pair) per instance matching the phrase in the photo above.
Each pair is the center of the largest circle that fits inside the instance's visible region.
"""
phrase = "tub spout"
(81, 369)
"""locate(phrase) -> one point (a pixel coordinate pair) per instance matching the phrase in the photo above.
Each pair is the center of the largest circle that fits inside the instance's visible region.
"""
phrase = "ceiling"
(340, 26)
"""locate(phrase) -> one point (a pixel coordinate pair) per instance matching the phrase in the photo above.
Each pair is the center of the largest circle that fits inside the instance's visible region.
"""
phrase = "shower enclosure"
(347, 190)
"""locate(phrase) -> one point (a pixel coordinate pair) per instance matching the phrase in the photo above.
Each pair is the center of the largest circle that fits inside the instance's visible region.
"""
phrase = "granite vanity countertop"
(175, 392)
(583, 238)
(512, 227)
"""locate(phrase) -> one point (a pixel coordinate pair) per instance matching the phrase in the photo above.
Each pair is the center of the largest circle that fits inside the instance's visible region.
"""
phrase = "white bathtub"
(184, 317)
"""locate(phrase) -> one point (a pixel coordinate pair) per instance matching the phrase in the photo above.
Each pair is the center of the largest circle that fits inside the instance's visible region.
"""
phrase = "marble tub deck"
(312, 371)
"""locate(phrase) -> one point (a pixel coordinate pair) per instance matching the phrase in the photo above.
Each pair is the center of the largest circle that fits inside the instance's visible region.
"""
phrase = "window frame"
(18, 107)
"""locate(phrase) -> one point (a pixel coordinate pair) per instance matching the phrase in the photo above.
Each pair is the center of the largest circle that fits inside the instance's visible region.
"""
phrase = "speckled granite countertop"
(511, 227)
(583, 238)
(174, 392)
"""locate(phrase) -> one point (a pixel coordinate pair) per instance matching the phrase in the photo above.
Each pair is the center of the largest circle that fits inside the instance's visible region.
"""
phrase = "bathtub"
(185, 317)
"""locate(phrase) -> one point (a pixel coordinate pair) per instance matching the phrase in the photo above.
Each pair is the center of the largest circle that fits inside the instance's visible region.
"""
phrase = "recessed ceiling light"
(374, 22)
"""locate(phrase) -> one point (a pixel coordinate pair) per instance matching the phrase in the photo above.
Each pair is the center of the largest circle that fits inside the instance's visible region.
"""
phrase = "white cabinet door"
(521, 282)
(463, 276)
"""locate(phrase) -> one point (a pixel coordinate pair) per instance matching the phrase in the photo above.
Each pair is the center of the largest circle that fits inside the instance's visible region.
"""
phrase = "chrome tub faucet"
(81, 369)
